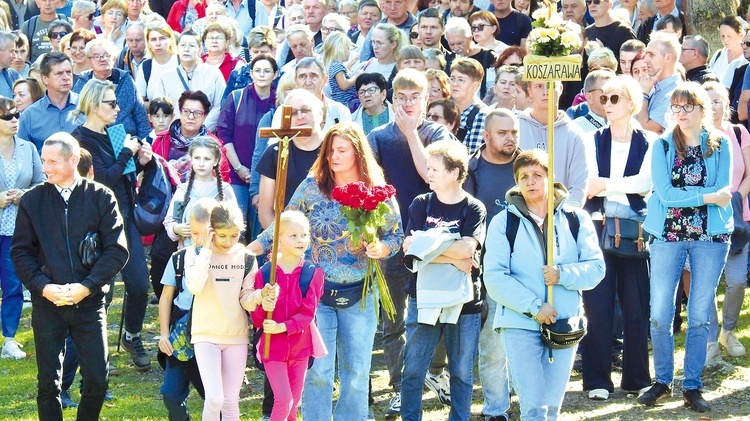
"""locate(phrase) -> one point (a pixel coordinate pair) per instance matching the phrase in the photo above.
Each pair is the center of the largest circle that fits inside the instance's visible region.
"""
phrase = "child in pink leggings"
(294, 335)
(222, 286)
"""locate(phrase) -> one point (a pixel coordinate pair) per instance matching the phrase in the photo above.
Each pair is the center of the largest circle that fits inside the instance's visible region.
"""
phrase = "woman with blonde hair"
(618, 189)
(387, 42)
(690, 218)
(161, 53)
(439, 85)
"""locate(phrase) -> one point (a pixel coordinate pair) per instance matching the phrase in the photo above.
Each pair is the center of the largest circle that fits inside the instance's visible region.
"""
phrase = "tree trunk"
(702, 17)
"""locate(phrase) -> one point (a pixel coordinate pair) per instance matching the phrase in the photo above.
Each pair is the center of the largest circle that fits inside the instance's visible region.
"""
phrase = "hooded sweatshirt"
(572, 155)
(516, 281)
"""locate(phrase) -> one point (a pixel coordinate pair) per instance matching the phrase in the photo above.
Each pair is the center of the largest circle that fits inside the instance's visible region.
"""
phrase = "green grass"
(137, 395)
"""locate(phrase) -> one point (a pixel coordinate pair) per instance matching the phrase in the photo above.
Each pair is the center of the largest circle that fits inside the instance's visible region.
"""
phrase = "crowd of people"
(103, 103)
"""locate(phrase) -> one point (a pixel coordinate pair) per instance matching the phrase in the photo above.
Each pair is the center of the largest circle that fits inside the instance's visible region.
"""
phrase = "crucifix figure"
(284, 135)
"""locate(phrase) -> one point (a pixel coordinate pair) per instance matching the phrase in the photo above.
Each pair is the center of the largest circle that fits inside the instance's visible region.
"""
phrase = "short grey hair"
(700, 44)
(108, 46)
(308, 62)
(649, 5)
(82, 7)
(595, 77)
(7, 38)
(300, 29)
(456, 24)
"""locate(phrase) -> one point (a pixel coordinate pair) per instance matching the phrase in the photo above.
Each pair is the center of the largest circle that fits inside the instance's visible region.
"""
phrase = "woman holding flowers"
(346, 317)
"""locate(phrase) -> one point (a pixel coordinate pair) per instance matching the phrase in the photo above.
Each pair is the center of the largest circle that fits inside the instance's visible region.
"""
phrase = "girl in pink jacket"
(293, 332)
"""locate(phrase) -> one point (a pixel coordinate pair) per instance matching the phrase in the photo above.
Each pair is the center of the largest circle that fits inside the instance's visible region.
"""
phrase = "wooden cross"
(283, 134)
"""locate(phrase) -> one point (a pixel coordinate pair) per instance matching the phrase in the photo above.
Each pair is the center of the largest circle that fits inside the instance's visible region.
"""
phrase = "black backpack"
(308, 271)
(152, 200)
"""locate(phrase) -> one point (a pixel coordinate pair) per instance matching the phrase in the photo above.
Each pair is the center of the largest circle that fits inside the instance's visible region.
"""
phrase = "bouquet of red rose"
(365, 211)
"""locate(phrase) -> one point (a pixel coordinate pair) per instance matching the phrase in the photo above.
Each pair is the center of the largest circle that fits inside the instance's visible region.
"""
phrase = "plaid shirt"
(473, 139)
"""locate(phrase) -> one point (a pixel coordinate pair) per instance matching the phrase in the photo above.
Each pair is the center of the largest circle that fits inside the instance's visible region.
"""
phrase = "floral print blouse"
(331, 246)
(689, 223)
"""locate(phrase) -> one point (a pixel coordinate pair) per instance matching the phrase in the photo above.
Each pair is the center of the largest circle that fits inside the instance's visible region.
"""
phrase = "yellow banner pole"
(550, 181)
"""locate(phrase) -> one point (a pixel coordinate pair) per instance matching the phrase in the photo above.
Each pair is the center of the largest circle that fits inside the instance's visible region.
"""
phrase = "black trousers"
(87, 327)
(630, 279)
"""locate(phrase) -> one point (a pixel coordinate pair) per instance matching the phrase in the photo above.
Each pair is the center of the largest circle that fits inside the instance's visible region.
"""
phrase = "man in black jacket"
(68, 297)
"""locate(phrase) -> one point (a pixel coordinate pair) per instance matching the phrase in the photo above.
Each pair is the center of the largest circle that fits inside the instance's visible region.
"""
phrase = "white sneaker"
(713, 354)
(12, 349)
(440, 385)
(731, 343)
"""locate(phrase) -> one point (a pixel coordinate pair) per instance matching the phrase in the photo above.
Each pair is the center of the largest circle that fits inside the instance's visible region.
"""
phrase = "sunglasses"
(479, 27)
(10, 116)
(57, 34)
(614, 99)
(747, 44)
(112, 103)
(595, 2)
(413, 35)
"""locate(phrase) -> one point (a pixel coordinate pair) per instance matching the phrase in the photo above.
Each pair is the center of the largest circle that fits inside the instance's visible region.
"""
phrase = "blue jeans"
(242, 194)
(12, 290)
(176, 386)
(135, 277)
(539, 384)
(397, 277)
(349, 334)
(493, 367)
(707, 261)
(461, 343)
(735, 276)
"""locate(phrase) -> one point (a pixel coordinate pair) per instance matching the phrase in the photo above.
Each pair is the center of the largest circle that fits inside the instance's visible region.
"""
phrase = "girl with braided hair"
(204, 181)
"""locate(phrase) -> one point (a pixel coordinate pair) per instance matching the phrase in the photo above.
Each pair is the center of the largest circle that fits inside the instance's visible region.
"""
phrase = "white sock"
(129, 336)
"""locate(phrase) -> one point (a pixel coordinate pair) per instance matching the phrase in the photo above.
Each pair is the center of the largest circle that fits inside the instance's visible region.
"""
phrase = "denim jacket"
(718, 176)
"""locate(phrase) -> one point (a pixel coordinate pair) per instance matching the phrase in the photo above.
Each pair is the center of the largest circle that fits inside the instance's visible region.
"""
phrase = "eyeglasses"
(614, 99)
(369, 91)
(115, 13)
(57, 34)
(404, 99)
(458, 81)
(216, 38)
(263, 71)
(479, 27)
(192, 113)
(10, 116)
(413, 35)
(688, 108)
(595, 2)
(433, 117)
(111, 102)
(299, 112)
(329, 29)
(77, 49)
(693, 49)
(380, 44)
(100, 57)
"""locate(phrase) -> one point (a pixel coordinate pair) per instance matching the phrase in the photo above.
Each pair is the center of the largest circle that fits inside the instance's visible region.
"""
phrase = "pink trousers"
(287, 378)
(222, 369)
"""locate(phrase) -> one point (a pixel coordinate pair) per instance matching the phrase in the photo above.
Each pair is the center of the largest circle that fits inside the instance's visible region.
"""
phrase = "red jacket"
(163, 144)
(174, 20)
(227, 65)
(294, 311)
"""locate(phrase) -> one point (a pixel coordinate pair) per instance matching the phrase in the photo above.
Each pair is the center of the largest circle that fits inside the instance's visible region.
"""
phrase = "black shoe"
(657, 392)
(694, 399)
(154, 300)
(66, 401)
(137, 352)
(497, 418)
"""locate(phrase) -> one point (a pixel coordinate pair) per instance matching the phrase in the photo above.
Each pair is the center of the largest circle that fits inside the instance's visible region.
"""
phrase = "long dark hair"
(369, 170)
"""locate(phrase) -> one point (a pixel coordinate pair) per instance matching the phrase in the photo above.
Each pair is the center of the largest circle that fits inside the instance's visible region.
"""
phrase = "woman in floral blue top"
(690, 216)
(348, 331)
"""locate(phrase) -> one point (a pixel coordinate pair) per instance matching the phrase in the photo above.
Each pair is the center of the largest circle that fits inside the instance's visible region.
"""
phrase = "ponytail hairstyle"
(212, 145)
(694, 94)
(227, 215)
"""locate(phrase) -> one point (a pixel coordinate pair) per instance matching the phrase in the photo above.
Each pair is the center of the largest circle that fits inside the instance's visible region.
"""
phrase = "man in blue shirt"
(8, 76)
(51, 114)
(238, 10)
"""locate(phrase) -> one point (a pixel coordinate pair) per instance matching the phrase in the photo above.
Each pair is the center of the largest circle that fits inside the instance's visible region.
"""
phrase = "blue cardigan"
(132, 112)
(665, 196)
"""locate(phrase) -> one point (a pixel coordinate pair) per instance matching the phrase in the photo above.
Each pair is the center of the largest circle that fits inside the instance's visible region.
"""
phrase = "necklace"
(189, 74)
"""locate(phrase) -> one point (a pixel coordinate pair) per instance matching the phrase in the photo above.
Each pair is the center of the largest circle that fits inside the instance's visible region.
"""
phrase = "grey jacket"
(29, 169)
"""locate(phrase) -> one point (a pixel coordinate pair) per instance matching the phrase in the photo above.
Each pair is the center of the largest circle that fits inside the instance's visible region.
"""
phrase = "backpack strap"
(30, 29)
(462, 132)
(737, 133)
(237, 98)
(511, 228)
(305, 278)
(178, 263)
(573, 223)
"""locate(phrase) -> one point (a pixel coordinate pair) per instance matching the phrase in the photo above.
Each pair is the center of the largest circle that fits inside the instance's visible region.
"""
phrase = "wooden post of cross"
(283, 134)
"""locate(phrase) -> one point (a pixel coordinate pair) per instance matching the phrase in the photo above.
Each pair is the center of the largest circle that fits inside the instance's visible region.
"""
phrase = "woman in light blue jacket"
(690, 215)
(516, 276)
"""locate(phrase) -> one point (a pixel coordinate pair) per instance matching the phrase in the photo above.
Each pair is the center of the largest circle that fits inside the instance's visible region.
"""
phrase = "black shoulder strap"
(511, 228)
(147, 69)
(573, 223)
(251, 10)
(30, 28)
(593, 121)
(248, 263)
(178, 263)
(737, 133)
(463, 131)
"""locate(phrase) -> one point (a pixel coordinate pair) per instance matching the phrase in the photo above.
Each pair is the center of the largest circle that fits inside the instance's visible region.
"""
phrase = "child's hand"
(270, 291)
(269, 304)
(270, 326)
(164, 345)
(183, 230)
